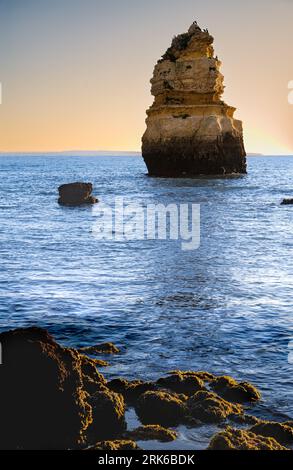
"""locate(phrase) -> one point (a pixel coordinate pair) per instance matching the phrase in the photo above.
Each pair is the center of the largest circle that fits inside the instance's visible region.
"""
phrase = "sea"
(225, 307)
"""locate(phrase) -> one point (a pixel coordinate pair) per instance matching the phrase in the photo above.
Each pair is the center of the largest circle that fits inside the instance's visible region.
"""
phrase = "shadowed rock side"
(52, 397)
(190, 130)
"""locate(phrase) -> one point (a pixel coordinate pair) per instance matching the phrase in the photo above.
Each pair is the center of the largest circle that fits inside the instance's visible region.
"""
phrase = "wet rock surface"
(152, 432)
(190, 130)
(52, 397)
(182, 383)
(160, 408)
(115, 445)
(230, 389)
(238, 439)
(103, 348)
(76, 194)
(210, 408)
(282, 432)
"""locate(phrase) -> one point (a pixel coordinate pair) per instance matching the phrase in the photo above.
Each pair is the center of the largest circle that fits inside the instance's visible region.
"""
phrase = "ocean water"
(225, 307)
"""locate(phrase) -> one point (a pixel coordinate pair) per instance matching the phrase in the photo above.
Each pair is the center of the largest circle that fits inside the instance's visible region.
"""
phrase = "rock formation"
(76, 194)
(53, 397)
(190, 130)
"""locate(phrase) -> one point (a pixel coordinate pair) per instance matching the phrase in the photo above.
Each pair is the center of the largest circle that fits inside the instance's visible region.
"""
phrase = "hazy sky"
(75, 73)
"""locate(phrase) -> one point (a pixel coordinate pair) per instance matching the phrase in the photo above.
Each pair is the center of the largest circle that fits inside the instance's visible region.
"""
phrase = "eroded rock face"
(76, 194)
(190, 130)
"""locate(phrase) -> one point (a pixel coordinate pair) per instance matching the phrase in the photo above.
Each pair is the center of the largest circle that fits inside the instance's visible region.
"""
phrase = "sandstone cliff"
(190, 130)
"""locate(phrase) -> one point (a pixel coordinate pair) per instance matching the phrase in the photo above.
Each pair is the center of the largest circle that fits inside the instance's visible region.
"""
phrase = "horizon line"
(111, 153)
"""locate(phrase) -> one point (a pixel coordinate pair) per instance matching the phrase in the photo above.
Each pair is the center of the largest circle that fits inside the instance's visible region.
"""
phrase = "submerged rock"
(190, 130)
(282, 432)
(115, 445)
(235, 391)
(238, 439)
(103, 348)
(210, 408)
(76, 194)
(152, 432)
(160, 408)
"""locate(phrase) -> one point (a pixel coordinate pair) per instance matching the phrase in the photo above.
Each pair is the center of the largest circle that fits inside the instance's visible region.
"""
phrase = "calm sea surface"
(225, 308)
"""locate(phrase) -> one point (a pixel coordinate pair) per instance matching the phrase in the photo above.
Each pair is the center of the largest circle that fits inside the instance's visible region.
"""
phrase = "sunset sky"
(75, 73)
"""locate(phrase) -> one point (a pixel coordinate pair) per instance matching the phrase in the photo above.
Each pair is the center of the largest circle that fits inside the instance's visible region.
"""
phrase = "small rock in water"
(286, 202)
(76, 194)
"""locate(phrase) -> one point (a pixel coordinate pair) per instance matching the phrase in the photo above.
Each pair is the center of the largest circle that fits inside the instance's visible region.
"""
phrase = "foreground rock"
(76, 194)
(160, 408)
(131, 390)
(152, 432)
(210, 408)
(115, 445)
(282, 432)
(238, 439)
(182, 383)
(51, 397)
(235, 391)
(190, 130)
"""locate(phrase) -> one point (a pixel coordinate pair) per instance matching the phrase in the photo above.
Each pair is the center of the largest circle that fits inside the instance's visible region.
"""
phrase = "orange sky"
(75, 74)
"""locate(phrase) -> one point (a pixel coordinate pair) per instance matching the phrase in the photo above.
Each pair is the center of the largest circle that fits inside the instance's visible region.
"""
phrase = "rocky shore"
(53, 397)
(190, 130)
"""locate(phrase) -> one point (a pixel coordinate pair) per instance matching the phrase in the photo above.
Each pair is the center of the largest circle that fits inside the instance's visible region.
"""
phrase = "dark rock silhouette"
(76, 194)
(286, 202)
(44, 399)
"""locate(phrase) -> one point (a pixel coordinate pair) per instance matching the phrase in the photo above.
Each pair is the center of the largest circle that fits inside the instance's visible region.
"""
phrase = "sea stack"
(190, 130)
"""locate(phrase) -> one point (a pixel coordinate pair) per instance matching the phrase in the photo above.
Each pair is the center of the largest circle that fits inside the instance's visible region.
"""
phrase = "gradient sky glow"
(75, 73)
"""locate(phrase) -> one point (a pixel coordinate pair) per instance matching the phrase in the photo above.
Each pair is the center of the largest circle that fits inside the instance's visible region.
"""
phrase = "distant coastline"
(101, 153)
